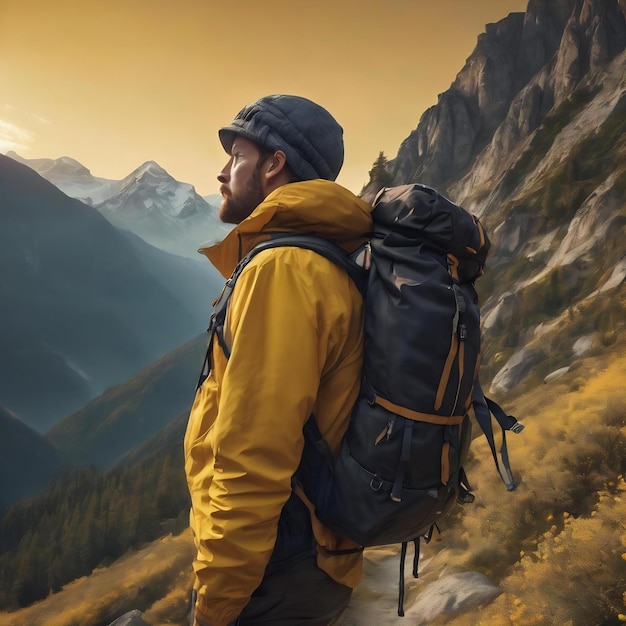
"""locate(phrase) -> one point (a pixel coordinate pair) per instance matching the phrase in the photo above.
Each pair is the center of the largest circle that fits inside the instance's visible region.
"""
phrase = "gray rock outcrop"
(450, 595)
(514, 370)
(132, 618)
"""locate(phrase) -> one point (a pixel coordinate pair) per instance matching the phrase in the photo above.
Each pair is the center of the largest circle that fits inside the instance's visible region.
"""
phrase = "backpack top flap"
(414, 213)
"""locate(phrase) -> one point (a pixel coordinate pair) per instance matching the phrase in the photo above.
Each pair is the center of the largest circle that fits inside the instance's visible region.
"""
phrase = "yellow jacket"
(294, 325)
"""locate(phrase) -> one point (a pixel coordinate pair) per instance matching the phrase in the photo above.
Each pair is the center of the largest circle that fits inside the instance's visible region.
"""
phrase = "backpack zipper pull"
(386, 432)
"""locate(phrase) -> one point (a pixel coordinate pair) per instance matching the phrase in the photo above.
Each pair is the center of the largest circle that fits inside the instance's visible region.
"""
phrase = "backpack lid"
(409, 213)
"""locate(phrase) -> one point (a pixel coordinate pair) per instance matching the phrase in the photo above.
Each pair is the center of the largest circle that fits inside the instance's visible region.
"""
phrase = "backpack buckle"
(517, 428)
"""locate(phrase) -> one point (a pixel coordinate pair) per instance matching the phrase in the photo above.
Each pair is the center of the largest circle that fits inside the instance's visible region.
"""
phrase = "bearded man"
(292, 347)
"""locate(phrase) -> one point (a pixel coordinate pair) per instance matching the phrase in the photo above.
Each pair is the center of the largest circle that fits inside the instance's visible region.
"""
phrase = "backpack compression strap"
(483, 409)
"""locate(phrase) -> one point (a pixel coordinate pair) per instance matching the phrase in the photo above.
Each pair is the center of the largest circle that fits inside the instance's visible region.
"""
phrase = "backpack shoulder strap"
(310, 242)
(323, 247)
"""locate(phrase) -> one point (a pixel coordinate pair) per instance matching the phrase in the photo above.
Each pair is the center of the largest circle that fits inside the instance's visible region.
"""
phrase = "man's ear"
(276, 167)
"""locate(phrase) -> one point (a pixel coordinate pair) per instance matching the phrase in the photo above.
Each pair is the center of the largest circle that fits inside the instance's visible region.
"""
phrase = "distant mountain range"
(72, 178)
(85, 305)
(148, 202)
(127, 415)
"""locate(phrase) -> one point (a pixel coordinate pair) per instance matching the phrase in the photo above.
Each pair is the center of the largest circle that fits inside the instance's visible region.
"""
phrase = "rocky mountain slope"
(531, 138)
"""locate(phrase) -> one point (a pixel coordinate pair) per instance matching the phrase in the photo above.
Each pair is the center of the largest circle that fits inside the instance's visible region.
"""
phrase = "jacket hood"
(315, 207)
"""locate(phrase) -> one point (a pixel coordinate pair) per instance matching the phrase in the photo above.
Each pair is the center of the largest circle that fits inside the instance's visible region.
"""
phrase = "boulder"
(450, 595)
(556, 374)
(132, 618)
(514, 370)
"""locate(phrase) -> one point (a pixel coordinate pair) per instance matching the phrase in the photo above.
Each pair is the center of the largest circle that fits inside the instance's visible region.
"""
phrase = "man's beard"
(235, 208)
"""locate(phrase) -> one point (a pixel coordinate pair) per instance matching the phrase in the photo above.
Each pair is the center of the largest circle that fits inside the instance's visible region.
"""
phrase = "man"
(293, 332)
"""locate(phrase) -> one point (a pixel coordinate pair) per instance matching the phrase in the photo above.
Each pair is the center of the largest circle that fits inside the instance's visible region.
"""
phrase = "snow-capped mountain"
(72, 178)
(166, 213)
(215, 199)
(149, 202)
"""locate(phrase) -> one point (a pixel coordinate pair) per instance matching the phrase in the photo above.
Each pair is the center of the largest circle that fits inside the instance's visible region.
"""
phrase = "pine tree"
(380, 176)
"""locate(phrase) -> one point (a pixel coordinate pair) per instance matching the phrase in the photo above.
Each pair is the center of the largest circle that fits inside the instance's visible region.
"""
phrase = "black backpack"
(401, 464)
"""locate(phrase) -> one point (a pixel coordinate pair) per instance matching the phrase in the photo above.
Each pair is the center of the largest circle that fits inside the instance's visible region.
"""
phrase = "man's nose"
(224, 176)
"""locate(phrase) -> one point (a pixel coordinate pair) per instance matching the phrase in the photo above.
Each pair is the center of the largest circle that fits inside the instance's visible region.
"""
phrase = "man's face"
(241, 187)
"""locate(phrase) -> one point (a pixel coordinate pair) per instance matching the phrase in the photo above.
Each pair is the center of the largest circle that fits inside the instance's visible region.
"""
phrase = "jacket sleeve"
(268, 391)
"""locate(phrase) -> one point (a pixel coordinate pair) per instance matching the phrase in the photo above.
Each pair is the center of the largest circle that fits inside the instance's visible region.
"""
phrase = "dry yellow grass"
(145, 580)
(554, 567)
(556, 546)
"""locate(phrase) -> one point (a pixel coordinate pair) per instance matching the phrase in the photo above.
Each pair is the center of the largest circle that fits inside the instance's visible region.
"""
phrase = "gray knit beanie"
(307, 133)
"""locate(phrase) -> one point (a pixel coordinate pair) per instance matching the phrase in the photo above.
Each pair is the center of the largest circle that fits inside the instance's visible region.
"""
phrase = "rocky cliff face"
(521, 68)
(531, 136)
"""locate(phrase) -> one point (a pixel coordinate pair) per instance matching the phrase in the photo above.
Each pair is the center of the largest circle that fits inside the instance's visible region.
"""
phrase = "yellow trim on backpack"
(416, 416)
(453, 266)
(481, 232)
(461, 368)
(445, 375)
(445, 463)
(381, 436)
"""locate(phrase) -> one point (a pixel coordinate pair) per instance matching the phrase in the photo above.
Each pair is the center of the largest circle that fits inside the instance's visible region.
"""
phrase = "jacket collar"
(318, 207)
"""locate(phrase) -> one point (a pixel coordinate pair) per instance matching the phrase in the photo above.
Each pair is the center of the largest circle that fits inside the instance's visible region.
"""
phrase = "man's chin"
(226, 214)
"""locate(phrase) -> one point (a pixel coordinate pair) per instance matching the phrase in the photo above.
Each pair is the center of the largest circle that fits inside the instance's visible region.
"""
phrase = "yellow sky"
(114, 83)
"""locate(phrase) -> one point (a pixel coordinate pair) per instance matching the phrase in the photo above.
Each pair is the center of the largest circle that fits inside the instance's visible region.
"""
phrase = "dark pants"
(296, 594)
(294, 591)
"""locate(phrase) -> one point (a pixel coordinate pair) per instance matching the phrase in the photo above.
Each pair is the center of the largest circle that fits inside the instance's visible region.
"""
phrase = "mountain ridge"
(148, 202)
(126, 416)
(82, 312)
